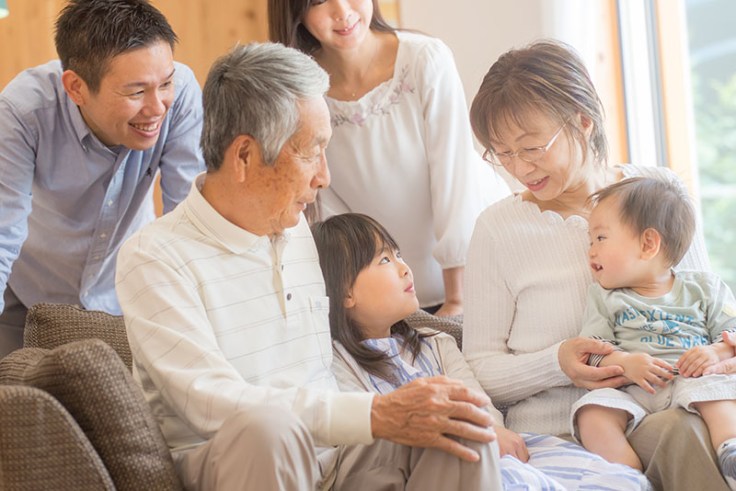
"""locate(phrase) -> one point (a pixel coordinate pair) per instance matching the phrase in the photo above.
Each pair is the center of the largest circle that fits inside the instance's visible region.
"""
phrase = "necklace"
(362, 80)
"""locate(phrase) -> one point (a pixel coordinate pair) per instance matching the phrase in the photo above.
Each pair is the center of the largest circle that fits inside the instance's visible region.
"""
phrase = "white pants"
(680, 392)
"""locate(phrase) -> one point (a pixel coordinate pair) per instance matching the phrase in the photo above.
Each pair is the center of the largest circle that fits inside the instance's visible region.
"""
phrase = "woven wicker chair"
(56, 429)
(72, 417)
(451, 325)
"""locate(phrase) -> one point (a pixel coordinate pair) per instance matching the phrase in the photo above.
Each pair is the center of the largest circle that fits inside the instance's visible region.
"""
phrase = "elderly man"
(82, 140)
(227, 317)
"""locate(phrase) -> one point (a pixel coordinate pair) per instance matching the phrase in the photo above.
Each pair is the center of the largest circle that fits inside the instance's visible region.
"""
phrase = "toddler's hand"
(646, 371)
(696, 360)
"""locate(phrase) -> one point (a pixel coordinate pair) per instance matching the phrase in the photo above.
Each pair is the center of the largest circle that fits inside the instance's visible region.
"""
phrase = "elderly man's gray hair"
(254, 90)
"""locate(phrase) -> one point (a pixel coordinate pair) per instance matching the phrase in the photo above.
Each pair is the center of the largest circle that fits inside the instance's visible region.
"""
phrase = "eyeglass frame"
(492, 157)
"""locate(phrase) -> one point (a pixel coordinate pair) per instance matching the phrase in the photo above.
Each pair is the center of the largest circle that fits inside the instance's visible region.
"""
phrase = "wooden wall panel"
(677, 94)
(26, 36)
(390, 11)
(206, 30)
(610, 85)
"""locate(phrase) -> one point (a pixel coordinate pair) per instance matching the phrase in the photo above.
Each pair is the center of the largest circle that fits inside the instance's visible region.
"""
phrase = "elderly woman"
(538, 116)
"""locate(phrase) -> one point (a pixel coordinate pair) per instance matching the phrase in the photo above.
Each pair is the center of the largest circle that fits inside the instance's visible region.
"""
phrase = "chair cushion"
(49, 325)
(42, 447)
(88, 378)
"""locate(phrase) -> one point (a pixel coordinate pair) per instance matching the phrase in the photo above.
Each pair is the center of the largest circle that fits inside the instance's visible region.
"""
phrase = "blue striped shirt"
(426, 363)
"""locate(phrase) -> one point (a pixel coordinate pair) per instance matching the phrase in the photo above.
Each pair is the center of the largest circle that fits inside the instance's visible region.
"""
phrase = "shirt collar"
(84, 134)
(75, 114)
(215, 226)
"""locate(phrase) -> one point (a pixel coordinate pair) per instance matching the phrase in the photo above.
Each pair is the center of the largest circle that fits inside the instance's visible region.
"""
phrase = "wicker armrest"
(42, 447)
(451, 325)
(50, 325)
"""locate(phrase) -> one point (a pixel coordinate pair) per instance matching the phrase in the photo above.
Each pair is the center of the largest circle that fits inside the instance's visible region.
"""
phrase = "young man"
(227, 318)
(82, 141)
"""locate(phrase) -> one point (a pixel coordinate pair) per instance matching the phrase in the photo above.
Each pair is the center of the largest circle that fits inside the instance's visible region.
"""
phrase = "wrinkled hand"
(449, 309)
(573, 356)
(728, 365)
(646, 371)
(425, 411)
(510, 443)
(695, 360)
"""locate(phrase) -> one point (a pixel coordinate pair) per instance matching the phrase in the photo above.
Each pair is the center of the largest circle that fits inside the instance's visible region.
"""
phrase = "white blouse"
(404, 155)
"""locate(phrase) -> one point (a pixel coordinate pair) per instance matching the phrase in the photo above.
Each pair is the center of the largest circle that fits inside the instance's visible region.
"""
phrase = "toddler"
(668, 327)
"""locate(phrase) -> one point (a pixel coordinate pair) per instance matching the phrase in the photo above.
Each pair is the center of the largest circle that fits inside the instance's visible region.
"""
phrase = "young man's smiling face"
(134, 95)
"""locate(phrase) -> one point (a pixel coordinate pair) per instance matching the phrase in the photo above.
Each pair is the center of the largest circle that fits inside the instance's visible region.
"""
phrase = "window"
(680, 81)
(712, 63)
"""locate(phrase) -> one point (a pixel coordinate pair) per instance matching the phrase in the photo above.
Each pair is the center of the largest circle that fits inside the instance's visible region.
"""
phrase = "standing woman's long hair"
(347, 244)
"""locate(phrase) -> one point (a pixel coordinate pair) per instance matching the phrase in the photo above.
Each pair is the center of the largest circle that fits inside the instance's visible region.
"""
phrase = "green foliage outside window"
(715, 115)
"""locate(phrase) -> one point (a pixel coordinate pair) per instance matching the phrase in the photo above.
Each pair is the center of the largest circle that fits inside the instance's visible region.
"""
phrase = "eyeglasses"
(531, 154)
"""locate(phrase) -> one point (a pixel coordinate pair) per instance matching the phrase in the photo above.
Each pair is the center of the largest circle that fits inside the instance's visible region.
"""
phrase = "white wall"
(479, 31)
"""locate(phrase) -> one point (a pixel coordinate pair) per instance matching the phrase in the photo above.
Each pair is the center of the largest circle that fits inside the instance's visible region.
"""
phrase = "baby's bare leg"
(603, 431)
(720, 418)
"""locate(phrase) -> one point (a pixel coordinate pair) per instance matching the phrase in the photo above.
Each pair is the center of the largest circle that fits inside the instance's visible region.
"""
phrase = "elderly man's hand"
(425, 412)
(573, 357)
(726, 366)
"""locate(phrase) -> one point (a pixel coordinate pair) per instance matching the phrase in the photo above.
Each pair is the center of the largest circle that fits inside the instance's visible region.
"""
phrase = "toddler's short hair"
(664, 206)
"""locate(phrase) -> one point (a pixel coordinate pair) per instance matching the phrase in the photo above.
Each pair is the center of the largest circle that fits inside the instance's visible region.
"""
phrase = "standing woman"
(539, 116)
(401, 150)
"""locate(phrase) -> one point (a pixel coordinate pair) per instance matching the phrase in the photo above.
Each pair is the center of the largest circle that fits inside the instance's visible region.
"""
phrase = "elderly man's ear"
(243, 151)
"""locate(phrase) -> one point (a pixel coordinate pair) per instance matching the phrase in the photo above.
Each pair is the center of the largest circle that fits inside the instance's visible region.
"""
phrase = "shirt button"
(288, 296)
(109, 203)
(103, 235)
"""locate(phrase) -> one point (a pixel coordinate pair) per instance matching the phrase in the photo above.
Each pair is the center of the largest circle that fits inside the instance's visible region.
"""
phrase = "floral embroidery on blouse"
(377, 102)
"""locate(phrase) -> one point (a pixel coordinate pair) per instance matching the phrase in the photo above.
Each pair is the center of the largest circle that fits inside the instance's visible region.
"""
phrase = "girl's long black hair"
(347, 244)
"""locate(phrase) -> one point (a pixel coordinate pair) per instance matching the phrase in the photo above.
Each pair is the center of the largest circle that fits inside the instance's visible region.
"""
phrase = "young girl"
(371, 291)
(396, 93)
